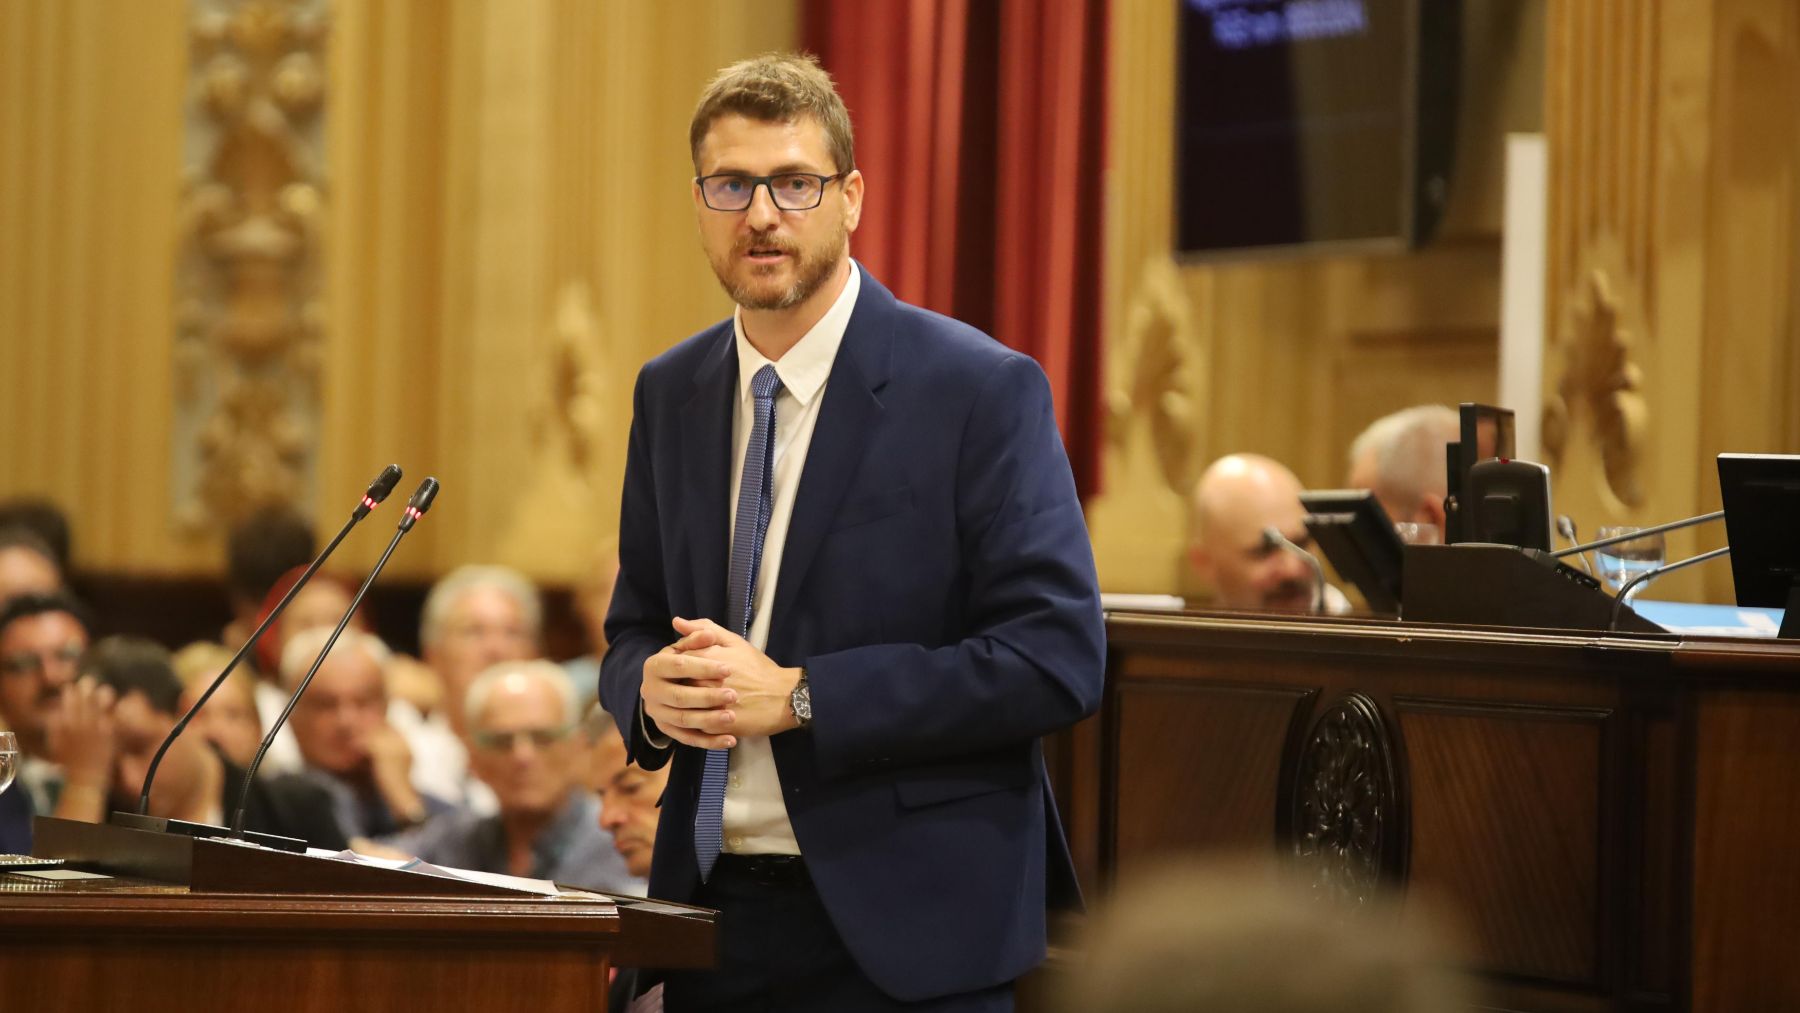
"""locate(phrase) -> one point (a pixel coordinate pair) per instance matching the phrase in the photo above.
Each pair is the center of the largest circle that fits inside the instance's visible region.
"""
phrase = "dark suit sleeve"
(637, 623)
(1034, 655)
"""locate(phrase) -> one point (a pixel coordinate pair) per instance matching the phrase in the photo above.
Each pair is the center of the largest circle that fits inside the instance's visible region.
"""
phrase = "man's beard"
(813, 267)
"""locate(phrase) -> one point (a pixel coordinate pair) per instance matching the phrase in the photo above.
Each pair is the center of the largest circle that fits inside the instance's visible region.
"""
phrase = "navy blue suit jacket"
(938, 586)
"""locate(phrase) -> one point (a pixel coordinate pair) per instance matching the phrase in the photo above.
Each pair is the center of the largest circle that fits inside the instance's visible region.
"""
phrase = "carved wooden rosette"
(248, 321)
(1347, 818)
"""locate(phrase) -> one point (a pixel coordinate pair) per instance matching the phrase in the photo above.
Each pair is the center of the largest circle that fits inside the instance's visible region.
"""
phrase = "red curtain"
(980, 128)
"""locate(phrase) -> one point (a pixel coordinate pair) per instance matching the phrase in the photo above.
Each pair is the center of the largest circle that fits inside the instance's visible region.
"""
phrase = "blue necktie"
(746, 562)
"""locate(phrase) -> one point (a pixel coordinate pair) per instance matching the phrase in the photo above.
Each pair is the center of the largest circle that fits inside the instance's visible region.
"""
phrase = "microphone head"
(1271, 538)
(421, 500)
(384, 483)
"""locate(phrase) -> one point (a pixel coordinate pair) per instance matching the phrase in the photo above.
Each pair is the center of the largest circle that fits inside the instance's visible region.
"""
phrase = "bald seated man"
(1236, 498)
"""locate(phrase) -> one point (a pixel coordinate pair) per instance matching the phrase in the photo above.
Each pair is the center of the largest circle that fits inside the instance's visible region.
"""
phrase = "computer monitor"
(1761, 493)
(1355, 533)
(1487, 432)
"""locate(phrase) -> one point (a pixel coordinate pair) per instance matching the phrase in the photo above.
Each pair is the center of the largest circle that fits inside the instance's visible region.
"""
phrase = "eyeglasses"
(791, 191)
(506, 742)
(26, 662)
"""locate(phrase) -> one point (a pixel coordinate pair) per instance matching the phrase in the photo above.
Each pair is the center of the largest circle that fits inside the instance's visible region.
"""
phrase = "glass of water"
(9, 759)
(1616, 565)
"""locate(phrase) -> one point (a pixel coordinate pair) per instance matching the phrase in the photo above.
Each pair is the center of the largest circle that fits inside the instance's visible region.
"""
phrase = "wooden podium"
(1612, 817)
(189, 924)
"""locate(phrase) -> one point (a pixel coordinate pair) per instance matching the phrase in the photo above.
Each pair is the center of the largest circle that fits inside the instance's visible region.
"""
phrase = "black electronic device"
(1354, 532)
(1508, 503)
(1761, 493)
(1485, 432)
(1312, 125)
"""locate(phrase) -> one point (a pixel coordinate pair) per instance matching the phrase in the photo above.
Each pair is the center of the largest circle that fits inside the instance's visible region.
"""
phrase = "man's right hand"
(686, 697)
(80, 740)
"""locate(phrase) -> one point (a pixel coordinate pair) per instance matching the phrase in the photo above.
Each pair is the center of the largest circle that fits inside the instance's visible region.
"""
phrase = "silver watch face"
(801, 702)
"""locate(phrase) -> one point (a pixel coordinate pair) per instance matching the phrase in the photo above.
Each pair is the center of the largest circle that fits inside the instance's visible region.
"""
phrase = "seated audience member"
(229, 720)
(194, 782)
(43, 518)
(474, 618)
(1236, 498)
(346, 744)
(629, 797)
(321, 603)
(64, 738)
(261, 548)
(1247, 935)
(27, 565)
(1400, 458)
(522, 720)
(413, 689)
(593, 595)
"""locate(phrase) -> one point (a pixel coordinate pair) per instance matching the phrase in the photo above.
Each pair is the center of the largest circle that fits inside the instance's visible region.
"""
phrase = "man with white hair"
(522, 720)
(1400, 458)
(474, 618)
(345, 741)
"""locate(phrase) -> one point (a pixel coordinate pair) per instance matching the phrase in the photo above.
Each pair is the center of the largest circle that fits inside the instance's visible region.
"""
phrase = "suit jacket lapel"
(706, 474)
(850, 413)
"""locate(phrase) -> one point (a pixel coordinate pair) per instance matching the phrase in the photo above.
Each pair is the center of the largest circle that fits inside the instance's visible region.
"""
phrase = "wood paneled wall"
(1673, 282)
(1287, 356)
(90, 177)
(509, 235)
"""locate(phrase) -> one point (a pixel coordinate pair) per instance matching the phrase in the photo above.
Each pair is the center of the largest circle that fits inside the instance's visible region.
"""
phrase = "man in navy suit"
(855, 590)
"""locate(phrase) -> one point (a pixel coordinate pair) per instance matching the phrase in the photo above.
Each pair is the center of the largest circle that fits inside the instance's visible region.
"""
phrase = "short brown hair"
(777, 88)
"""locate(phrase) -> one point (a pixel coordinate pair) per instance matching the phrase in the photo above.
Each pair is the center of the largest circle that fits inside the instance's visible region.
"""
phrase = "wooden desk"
(322, 937)
(1614, 818)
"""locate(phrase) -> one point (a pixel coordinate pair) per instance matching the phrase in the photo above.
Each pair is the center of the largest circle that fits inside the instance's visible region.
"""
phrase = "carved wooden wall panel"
(1192, 801)
(1672, 275)
(1289, 356)
(248, 319)
(1506, 812)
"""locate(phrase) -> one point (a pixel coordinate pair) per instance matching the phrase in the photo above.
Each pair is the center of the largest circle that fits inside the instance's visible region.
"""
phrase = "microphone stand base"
(163, 825)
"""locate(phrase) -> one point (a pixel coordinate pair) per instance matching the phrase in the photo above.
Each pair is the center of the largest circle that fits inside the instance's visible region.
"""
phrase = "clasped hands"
(712, 686)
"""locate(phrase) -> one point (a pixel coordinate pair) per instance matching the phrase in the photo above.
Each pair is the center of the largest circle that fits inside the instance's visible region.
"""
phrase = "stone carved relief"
(248, 312)
(1157, 375)
(1347, 815)
(1599, 391)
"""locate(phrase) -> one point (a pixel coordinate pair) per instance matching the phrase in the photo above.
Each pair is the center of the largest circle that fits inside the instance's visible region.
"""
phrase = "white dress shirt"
(756, 819)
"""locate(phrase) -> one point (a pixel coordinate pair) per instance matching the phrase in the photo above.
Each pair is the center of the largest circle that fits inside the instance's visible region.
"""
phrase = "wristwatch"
(800, 701)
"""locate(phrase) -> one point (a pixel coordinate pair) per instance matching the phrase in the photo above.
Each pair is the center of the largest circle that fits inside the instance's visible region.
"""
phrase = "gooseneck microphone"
(1649, 575)
(1274, 539)
(1686, 522)
(378, 490)
(415, 509)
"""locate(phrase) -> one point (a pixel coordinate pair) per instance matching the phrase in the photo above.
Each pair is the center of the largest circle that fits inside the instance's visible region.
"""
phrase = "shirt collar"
(807, 365)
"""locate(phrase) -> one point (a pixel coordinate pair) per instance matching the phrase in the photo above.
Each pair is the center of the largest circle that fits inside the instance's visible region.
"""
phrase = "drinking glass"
(1418, 533)
(1616, 565)
(9, 759)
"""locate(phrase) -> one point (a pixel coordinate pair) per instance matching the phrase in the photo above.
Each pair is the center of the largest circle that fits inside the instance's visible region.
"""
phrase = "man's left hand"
(763, 687)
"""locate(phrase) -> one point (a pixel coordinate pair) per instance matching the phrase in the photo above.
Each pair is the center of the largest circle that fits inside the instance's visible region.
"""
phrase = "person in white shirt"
(474, 618)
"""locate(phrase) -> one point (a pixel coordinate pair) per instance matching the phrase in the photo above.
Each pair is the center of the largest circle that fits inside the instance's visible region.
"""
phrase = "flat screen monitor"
(1310, 123)
(1354, 532)
(1761, 493)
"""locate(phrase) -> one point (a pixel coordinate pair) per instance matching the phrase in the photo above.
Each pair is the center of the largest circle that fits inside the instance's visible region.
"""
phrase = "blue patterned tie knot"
(747, 533)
